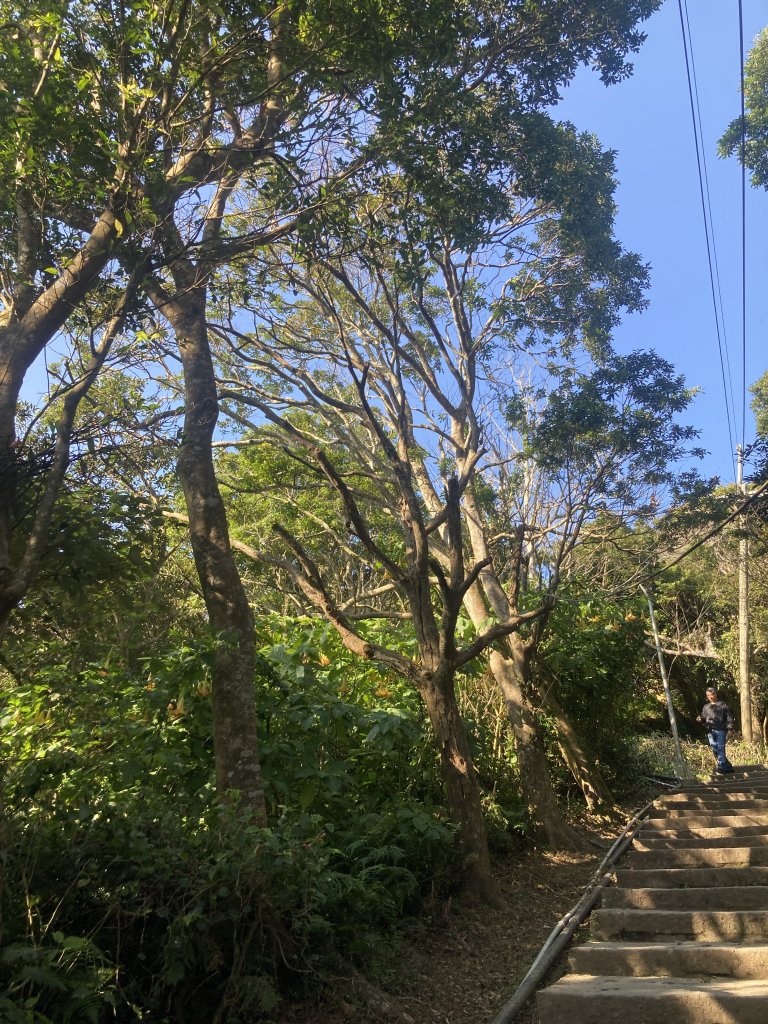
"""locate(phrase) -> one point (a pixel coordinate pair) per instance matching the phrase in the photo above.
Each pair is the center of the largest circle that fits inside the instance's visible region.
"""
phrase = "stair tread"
(591, 984)
(640, 944)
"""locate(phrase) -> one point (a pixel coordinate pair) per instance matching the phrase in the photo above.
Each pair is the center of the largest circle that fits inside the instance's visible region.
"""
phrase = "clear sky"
(647, 121)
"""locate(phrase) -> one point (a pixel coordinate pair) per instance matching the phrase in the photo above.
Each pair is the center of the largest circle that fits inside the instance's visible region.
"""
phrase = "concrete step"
(700, 832)
(683, 937)
(727, 789)
(728, 783)
(737, 856)
(746, 792)
(728, 897)
(754, 769)
(700, 925)
(646, 959)
(750, 780)
(676, 878)
(706, 819)
(718, 842)
(692, 797)
(583, 999)
(719, 807)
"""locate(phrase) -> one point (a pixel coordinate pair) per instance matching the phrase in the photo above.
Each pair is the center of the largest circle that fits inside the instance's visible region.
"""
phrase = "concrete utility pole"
(745, 689)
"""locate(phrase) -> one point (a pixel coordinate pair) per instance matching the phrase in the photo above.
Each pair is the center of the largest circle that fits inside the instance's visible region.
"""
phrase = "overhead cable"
(708, 228)
(713, 532)
(702, 149)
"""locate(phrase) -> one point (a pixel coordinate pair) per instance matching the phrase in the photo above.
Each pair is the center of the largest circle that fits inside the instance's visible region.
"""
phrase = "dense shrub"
(595, 661)
(128, 893)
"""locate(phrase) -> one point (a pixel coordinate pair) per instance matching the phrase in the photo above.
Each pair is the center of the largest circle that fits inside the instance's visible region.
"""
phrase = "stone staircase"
(682, 938)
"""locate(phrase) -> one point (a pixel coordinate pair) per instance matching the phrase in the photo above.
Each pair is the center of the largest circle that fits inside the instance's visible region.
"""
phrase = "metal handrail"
(563, 931)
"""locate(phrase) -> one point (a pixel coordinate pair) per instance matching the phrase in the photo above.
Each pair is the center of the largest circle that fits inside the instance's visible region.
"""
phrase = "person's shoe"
(723, 771)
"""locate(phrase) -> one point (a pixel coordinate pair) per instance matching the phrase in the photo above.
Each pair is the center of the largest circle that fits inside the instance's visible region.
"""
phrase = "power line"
(708, 228)
(719, 305)
(713, 532)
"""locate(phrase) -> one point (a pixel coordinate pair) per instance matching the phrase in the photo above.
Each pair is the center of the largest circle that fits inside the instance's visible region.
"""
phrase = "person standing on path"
(718, 721)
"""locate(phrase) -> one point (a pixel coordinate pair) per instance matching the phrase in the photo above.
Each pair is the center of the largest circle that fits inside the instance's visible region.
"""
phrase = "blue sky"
(647, 121)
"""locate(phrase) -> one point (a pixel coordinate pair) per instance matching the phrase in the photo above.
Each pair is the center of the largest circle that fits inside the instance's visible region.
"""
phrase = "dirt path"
(466, 973)
(460, 966)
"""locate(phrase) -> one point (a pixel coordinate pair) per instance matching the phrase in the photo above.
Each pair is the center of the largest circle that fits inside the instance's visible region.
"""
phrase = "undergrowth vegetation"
(654, 754)
(129, 894)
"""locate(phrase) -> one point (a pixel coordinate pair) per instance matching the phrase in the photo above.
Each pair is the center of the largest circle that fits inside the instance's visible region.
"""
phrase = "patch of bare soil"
(465, 962)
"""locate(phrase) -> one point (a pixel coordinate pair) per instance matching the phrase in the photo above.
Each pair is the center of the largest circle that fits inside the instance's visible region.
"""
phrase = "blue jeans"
(717, 740)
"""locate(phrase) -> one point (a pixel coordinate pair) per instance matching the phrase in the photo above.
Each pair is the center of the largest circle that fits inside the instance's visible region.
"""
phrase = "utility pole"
(680, 762)
(745, 690)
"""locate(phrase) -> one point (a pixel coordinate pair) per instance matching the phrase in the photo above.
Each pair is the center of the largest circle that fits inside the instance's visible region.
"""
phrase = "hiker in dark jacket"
(718, 721)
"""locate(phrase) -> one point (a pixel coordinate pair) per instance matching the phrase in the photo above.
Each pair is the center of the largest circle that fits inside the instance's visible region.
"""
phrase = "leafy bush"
(128, 891)
(594, 658)
(65, 979)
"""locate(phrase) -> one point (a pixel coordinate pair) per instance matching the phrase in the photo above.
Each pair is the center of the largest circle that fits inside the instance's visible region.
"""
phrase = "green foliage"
(617, 425)
(455, 145)
(339, 736)
(109, 586)
(593, 658)
(754, 128)
(66, 979)
(759, 392)
(126, 888)
(168, 892)
(697, 605)
(507, 818)
(340, 696)
(271, 482)
(654, 754)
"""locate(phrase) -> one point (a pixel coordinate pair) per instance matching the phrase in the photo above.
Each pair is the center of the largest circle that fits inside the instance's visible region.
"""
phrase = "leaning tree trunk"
(460, 780)
(25, 329)
(583, 768)
(9, 393)
(535, 780)
(235, 741)
(16, 580)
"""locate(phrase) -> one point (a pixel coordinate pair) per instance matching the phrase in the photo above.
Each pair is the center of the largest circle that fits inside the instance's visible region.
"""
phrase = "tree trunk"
(9, 393)
(583, 768)
(535, 780)
(235, 739)
(460, 780)
(25, 330)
